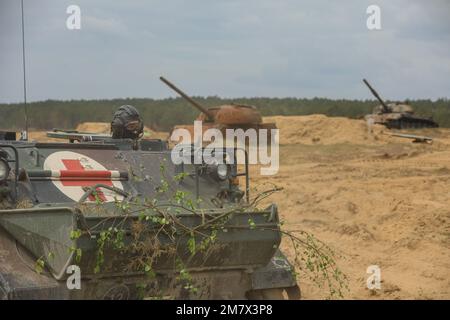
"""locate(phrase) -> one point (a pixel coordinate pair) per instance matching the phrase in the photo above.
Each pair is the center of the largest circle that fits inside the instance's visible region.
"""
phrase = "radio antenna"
(24, 134)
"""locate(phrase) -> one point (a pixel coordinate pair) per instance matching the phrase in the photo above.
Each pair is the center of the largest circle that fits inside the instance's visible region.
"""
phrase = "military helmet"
(127, 123)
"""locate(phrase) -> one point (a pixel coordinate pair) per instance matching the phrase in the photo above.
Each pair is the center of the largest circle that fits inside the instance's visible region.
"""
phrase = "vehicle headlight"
(222, 171)
(4, 170)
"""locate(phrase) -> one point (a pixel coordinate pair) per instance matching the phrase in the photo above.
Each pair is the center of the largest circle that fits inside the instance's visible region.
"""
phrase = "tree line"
(163, 114)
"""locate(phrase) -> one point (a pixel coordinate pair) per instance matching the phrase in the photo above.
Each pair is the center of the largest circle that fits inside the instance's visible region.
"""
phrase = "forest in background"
(163, 114)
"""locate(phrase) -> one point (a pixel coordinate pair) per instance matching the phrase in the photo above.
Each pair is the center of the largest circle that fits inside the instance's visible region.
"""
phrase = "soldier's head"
(127, 123)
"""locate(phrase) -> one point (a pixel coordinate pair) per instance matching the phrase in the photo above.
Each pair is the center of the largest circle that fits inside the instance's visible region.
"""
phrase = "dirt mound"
(375, 201)
(320, 129)
(41, 136)
(105, 127)
(94, 127)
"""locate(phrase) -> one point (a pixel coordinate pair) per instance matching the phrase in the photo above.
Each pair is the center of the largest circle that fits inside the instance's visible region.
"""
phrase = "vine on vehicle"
(156, 229)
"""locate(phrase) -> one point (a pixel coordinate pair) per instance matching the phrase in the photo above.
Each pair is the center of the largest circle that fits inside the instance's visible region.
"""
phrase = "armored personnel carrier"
(104, 209)
(234, 116)
(396, 115)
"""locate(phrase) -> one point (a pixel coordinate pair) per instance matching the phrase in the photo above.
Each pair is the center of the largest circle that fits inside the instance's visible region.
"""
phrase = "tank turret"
(233, 116)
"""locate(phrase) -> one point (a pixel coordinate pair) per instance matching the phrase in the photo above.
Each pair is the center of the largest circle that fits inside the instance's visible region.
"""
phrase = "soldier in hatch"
(127, 123)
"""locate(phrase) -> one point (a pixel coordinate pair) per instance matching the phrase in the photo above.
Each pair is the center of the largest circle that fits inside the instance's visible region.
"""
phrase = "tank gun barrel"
(385, 107)
(185, 96)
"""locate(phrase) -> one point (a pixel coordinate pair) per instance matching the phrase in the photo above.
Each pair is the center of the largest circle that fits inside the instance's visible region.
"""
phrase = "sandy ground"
(375, 199)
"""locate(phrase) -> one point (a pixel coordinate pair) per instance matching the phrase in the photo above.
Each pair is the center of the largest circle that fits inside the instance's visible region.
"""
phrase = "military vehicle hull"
(238, 278)
(401, 121)
(49, 194)
(223, 129)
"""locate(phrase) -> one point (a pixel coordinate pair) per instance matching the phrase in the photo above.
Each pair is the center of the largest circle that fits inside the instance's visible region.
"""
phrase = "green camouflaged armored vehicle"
(104, 209)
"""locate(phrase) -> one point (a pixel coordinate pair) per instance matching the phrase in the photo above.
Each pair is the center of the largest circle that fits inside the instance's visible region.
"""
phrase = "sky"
(228, 48)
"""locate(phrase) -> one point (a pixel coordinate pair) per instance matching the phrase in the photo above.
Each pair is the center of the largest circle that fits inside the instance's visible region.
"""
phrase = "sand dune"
(320, 129)
(96, 127)
(377, 201)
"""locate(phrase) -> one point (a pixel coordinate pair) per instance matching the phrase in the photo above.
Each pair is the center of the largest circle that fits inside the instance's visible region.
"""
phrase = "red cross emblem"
(95, 177)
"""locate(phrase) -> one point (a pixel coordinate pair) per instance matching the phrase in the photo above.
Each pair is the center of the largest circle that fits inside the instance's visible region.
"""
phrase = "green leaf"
(75, 234)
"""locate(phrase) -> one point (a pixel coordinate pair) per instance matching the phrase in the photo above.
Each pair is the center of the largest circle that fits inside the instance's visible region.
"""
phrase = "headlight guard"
(4, 170)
